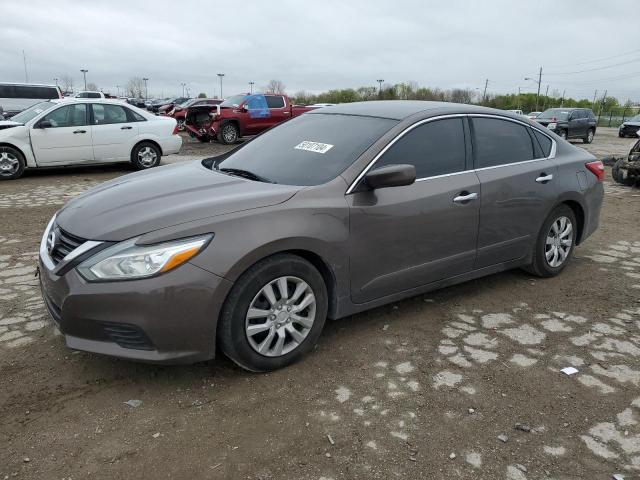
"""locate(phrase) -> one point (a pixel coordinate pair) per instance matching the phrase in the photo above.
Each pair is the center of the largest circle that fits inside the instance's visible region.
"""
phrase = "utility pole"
(546, 96)
(380, 86)
(221, 75)
(183, 85)
(146, 91)
(594, 99)
(84, 73)
(484, 95)
(251, 87)
(562, 100)
(118, 87)
(24, 60)
(602, 105)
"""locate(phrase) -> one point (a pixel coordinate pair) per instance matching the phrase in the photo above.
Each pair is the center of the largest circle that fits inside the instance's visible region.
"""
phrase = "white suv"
(84, 131)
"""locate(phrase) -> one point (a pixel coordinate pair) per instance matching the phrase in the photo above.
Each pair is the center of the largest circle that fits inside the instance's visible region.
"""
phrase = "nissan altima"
(334, 212)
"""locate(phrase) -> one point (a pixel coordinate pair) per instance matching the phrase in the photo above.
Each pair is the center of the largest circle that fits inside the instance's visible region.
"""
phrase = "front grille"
(65, 243)
(127, 336)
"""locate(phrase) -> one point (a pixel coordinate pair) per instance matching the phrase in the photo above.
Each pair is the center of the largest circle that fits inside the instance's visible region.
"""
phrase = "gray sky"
(318, 45)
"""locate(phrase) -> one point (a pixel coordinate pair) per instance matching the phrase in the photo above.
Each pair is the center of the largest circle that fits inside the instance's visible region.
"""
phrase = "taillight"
(597, 168)
(175, 130)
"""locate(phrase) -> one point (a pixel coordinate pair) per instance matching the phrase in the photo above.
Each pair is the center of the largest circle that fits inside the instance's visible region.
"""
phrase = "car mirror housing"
(391, 176)
(44, 124)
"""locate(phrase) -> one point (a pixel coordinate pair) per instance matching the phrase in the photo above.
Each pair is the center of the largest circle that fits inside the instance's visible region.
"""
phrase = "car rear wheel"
(274, 314)
(620, 174)
(180, 124)
(12, 163)
(563, 134)
(589, 137)
(145, 155)
(229, 133)
(555, 243)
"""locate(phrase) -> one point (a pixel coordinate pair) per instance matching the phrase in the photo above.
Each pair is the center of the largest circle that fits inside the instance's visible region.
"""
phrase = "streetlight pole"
(84, 74)
(183, 85)
(251, 87)
(484, 94)
(221, 75)
(118, 87)
(539, 82)
(380, 86)
(56, 80)
(146, 91)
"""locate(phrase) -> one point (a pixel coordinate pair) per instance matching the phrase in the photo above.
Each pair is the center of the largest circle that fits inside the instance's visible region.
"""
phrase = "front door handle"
(544, 178)
(79, 131)
(465, 197)
(126, 127)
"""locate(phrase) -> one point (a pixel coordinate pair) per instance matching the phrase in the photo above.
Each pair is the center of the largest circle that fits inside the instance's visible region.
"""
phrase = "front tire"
(274, 314)
(229, 133)
(589, 137)
(12, 163)
(145, 155)
(555, 243)
(563, 134)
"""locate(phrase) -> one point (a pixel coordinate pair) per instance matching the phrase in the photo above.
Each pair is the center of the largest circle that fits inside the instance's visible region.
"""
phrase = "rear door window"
(108, 114)
(499, 142)
(275, 101)
(544, 142)
(434, 148)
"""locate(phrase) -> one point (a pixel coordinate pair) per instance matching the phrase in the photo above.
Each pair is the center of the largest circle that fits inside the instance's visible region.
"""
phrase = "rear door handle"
(79, 131)
(126, 127)
(544, 178)
(465, 197)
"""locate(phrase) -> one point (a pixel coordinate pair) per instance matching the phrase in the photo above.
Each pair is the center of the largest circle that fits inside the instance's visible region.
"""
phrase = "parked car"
(137, 102)
(153, 105)
(570, 122)
(179, 112)
(165, 105)
(516, 112)
(241, 115)
(532, 115)
(626, 171)
(171, 105)
(89, 94)
(16, 97)
(253, 250)
(630, 127)
(84, 131)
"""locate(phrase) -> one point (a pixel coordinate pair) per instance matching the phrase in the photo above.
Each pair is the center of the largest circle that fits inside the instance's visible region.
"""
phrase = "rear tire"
(279, 331)
(589, 137)
(145, 155)
(563, 134)
(12, 163)
(555, 243)
(620, 175)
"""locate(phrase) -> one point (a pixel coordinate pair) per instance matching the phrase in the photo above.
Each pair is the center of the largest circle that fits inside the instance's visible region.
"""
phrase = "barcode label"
(317, 147)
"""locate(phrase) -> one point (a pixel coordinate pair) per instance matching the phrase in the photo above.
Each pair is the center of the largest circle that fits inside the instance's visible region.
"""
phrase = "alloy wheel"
(229, 133)
(147, 156)
(181, 125)
(9, 164)
(590, 136)
(559, 241)
(280, 316)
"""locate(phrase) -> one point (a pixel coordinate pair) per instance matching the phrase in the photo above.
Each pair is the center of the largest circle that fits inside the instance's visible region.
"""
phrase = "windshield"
(32, 112)
(233, 101)
(556, 113)
(307, 150)
(187, 103)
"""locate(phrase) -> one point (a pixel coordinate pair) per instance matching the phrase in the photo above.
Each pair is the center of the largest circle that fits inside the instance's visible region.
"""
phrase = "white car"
(517, 112)
(89, 94)
(84, 132)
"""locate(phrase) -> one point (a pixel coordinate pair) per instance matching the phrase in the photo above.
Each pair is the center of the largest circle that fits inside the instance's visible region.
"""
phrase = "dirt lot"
(424, 388)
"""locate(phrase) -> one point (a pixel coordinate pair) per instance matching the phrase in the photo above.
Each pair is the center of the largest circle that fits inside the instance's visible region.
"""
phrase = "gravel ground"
(462, 383)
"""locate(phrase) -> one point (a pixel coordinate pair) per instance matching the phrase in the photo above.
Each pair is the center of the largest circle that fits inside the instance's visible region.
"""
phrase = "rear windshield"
(309, 149)
(29, 92)
(32, 112)
(556, 113)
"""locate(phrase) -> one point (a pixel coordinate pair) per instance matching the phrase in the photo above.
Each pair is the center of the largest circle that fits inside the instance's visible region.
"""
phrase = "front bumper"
(629, 130)
(167, 319)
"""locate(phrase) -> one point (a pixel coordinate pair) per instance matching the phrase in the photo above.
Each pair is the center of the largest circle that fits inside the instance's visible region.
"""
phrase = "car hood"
(4, 124)
(165, 196)
(625, 124)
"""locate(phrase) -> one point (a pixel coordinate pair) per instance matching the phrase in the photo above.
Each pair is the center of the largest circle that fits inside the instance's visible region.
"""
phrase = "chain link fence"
(615, 116)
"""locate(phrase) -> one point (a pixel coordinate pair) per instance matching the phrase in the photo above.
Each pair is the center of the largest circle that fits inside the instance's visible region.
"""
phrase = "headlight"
(552, 126)
(126, 260)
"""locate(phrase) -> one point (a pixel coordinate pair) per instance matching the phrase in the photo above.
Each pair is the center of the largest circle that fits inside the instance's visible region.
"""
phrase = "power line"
(598, 59)
(596, 68)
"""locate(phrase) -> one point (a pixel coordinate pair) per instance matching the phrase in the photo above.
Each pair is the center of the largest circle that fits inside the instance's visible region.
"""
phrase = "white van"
(16, 97)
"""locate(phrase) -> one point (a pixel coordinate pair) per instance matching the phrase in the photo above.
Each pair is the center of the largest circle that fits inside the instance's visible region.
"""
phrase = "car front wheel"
(274, 314)
(555, 243)
(563, 134)
(229, 134)
(145, 155)
(589, 137)
(12, 163)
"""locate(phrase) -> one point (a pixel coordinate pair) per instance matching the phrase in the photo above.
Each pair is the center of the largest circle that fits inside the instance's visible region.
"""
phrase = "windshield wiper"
(238, 172)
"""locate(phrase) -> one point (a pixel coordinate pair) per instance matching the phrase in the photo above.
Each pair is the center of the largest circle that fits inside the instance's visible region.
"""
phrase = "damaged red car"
(239, 116)
(179, 111)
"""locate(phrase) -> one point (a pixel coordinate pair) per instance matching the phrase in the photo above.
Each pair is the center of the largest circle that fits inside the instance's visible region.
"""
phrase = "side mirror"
(44, 124)
(391, 176)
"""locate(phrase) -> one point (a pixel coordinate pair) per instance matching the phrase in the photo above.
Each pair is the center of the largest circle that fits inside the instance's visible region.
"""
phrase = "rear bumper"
(173, 144)
(167, 319)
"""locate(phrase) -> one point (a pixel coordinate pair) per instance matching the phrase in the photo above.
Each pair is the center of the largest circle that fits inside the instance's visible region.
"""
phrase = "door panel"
(67, 141)
(405, 237)
(112, 134)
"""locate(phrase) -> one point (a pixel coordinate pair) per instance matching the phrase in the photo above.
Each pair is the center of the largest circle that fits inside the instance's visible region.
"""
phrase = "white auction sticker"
(317, 147)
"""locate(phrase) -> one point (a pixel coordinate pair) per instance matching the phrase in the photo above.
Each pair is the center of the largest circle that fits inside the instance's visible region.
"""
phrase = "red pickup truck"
(240, 115)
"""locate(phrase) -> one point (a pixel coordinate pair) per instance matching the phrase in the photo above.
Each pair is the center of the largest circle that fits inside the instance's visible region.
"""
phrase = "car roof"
(28, 84)
(68, 100)
(401, 109)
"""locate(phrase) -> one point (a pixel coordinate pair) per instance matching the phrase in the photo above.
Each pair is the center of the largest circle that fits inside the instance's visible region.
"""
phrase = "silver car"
(337, 211)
